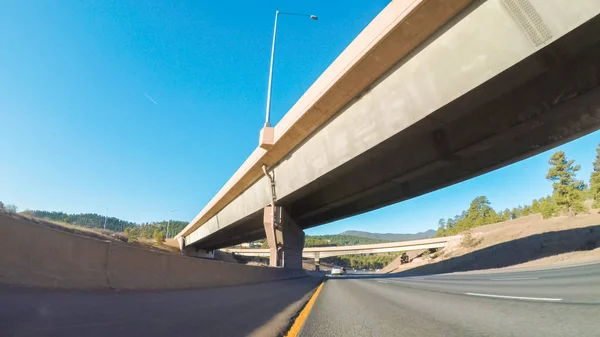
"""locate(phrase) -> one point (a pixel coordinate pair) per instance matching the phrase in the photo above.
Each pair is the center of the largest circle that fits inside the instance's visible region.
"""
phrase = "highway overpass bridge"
(430, 93)
(318, 253)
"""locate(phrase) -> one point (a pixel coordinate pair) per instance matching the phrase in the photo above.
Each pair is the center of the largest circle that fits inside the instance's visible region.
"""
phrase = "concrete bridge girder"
(516, 102)
(317, 253)
(381, 250)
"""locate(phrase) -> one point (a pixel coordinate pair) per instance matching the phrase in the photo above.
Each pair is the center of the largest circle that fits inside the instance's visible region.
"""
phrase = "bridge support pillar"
(285, 238)
(181, 242)
(317, 261)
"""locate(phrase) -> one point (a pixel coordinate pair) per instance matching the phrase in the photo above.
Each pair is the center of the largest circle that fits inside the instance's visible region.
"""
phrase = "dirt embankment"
(170, 245)
(528, 241)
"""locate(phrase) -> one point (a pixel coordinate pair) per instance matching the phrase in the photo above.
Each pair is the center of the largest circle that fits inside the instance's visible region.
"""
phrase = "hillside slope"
(528, 241)
(97, 221)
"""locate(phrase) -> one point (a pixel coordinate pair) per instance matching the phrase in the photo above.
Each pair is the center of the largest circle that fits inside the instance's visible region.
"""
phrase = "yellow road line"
(295, 329)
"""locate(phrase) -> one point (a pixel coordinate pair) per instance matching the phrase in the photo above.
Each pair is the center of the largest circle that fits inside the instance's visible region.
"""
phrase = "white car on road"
(337, 270)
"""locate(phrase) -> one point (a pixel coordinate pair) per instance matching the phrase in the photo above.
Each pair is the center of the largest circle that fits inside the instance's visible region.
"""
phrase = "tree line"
(568, 195)
(363, 261)
(131, 229)
(357, 261)
(338, 240)
(331, 240)
(8, 208)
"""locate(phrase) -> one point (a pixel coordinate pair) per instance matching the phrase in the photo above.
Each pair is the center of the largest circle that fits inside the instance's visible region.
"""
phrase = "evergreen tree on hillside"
(595, 180)
(567, 195)
(441, 231)
(514, 213)
(92, 220)
(506, 215)
(547, 207)
(158, 236)
(535, 207)
(480, 213)
(450, 223)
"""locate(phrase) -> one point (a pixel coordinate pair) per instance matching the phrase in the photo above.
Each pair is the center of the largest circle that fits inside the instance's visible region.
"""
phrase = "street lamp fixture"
(267, 134)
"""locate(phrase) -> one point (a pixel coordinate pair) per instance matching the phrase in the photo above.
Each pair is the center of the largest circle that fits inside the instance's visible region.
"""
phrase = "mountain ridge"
(392, 236)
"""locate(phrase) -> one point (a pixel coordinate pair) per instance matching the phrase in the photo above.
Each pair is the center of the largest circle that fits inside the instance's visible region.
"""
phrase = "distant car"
(337, 270)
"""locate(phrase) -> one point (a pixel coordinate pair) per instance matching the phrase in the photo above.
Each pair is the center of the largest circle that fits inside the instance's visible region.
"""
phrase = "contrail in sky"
(150, 98)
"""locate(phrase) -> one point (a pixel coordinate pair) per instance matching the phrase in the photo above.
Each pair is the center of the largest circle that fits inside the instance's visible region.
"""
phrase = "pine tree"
(441, 228)
(595, 180)
(514, 213)
(547, 208)
(450, 223)
(520, 211)
(535, 207)
(506, 215)
(567, 195)
(158, 236)
(480, 213)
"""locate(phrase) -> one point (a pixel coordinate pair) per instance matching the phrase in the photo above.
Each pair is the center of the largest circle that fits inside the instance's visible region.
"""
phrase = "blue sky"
(147, 106)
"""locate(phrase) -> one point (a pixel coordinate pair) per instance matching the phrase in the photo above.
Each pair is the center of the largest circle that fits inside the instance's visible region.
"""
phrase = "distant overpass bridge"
(318, 253)
(430, 93)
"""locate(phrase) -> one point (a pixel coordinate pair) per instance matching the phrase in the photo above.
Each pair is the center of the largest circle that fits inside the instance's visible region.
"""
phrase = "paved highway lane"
(258, 309)
(556, 302)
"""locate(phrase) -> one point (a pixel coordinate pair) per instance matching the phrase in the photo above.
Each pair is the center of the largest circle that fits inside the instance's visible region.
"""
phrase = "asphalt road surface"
(228, 311)
(555, 302)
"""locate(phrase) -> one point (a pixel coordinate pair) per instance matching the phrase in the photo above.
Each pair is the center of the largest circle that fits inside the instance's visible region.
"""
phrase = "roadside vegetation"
(363, 261)
(148, 235)
(567, 198)
(133, 231)
(358, 261)
(332, 240)
(338, 240)
(8, 208)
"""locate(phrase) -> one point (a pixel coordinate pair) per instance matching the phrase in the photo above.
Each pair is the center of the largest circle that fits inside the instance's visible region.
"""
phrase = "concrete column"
(274, 237)
(317, 261)
(293, 243)
(181, 242)
(285, 239)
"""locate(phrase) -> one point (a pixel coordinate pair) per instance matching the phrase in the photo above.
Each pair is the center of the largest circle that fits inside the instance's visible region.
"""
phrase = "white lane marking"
(514, 278)
(516, 297)
(382, 282)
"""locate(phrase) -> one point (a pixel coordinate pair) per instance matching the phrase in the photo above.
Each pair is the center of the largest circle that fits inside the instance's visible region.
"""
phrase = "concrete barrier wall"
(35, 255)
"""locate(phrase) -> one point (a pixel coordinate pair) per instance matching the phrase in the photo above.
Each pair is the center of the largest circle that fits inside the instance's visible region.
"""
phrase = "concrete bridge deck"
(431, 93)
(323, 252)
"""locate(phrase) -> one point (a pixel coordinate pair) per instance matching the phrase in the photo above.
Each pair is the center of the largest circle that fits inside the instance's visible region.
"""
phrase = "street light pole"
(268, 108)
(169, 222)
(105, 215)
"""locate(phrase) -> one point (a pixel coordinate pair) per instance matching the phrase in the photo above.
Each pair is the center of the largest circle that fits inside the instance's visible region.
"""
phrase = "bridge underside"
(543, 101)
